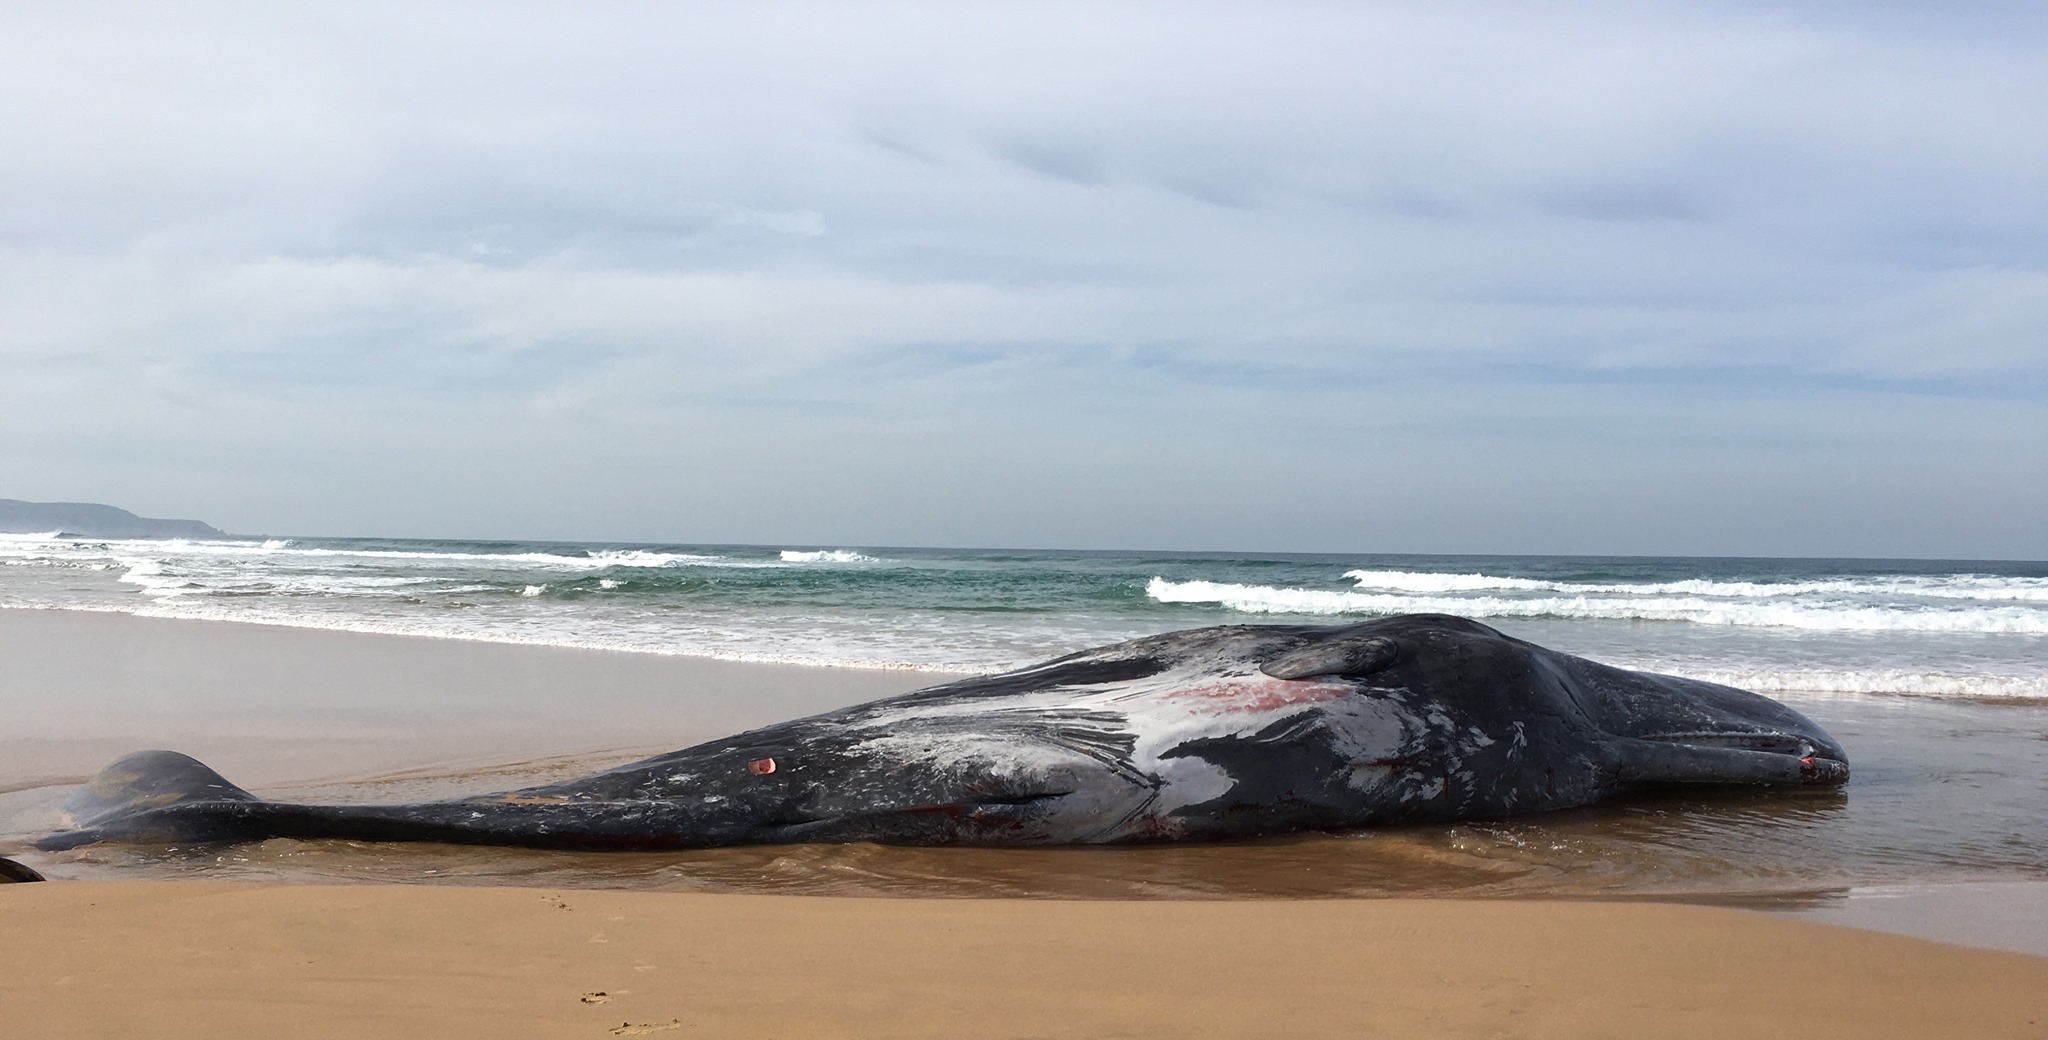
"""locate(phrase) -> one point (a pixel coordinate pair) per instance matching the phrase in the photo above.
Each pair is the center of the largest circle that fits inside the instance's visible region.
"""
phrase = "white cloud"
(1036, 232)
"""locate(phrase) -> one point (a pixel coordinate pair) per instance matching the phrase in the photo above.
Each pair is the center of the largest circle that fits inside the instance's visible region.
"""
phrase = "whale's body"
(1198, 735)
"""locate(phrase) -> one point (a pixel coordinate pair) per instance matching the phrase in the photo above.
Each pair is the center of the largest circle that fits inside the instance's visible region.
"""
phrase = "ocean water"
(1941, 629)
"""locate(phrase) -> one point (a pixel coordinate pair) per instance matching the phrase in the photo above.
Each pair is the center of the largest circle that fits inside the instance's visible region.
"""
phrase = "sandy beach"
(172, 960)
(517, 943)
(278, 705)
(1022, 520)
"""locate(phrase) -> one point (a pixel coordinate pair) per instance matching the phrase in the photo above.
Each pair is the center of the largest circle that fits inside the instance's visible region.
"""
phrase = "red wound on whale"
(761, 766)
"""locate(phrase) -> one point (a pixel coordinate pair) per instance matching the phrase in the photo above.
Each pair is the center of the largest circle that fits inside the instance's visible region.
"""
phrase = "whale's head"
(1647, 728)
(1672, 730)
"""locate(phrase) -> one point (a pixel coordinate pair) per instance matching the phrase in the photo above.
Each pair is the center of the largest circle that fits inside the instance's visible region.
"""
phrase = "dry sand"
(169, 959)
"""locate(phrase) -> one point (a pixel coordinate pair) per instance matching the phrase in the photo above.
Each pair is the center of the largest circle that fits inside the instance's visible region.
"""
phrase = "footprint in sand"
(643, 1028)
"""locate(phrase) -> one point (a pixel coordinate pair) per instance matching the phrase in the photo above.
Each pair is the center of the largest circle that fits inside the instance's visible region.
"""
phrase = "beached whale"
(1206, 734)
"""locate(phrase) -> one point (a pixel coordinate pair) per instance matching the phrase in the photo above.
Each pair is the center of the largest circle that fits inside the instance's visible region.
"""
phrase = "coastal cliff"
(92, 520)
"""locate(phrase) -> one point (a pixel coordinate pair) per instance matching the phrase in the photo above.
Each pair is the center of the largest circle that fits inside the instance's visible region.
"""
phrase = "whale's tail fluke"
(11, 871)
(137, 798)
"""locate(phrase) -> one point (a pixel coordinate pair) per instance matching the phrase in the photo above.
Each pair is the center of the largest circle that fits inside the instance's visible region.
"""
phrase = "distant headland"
(92, 520)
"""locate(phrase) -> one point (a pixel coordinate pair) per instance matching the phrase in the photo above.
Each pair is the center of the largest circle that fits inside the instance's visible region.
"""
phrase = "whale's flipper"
(12, 871)
(1355, 656)
(127, 796)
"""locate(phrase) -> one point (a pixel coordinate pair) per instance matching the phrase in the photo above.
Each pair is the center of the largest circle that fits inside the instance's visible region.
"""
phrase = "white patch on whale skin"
(1373, 732)
(965, 751)
(1214, 695)
(1188, 781)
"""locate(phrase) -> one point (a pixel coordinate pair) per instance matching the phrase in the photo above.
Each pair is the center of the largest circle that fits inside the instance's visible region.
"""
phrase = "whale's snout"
(1823, 772)
(1672, 730)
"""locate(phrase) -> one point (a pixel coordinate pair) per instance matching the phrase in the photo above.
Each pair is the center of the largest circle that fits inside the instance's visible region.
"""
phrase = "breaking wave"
(1961, 630)
(1819, 613)
(1946, 586)
(824, 556)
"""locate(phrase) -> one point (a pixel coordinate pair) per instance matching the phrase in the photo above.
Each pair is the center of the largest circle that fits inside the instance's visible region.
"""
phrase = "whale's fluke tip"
(135, 784)
(11, 871)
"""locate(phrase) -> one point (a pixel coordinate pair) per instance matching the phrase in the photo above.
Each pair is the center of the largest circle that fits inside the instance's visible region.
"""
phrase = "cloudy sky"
(1689, 278)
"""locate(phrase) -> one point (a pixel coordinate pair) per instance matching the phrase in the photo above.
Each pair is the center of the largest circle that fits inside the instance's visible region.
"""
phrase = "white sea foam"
(642, 558)
(149, 574)
(285, 549)
(1892, 681)
(1975, 635)
(1811, 616)
(799, 647)
(1945, 586)
(512, 560)
(919, 644)
(824, 556)
(821, 645)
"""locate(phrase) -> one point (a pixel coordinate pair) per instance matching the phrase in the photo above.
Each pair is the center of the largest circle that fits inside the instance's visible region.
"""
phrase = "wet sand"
(172, 960)
(270, 705)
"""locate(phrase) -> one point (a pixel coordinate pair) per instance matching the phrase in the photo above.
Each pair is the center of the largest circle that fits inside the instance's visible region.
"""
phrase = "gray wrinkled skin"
(1200, 735)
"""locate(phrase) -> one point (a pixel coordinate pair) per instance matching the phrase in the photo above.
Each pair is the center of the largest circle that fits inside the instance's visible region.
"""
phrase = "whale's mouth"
(1736, 757)
(1776, 743)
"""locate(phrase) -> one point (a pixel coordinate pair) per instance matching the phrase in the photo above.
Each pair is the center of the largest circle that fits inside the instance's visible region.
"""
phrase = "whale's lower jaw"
(1772, 759)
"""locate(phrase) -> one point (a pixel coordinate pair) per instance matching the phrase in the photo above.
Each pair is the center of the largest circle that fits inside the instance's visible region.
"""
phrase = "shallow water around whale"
(1941, 793)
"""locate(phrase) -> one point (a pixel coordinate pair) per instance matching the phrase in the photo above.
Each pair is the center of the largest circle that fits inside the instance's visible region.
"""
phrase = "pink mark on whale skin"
(1257, 695)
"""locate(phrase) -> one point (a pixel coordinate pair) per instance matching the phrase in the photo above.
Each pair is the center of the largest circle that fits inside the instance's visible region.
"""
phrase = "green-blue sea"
(1933, 628)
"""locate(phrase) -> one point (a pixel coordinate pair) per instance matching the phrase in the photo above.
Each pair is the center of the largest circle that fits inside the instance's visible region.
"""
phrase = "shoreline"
(362, 628)
(188, 959)
(278, 704)
(323, 715)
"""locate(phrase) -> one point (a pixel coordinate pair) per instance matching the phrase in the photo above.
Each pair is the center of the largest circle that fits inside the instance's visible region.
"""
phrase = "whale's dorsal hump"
(1358, 655)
